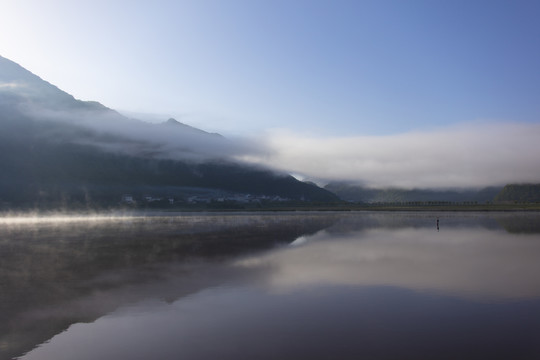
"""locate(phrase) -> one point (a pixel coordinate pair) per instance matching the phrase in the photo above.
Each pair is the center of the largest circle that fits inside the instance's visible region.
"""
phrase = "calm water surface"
(272, 286)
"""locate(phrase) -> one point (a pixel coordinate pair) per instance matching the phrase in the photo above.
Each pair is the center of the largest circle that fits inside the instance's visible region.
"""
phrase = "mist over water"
(266, 286)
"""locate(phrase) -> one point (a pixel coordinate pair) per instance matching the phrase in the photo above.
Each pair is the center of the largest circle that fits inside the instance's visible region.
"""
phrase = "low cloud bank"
(461, 156)
(113, 132)
(471, 155)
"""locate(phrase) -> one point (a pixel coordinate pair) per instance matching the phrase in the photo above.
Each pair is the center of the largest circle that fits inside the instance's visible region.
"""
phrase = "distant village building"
(128, 199)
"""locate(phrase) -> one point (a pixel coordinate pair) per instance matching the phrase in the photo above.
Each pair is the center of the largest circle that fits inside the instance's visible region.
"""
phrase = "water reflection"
(303, 285)
(54, 274)
(319, 323)
(464, 262)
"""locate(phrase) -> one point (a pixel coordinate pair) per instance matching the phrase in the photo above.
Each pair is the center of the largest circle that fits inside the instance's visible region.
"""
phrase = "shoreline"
(123, 211)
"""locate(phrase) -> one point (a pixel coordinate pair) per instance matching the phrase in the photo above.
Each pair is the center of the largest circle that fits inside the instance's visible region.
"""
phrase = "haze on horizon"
(383, 93)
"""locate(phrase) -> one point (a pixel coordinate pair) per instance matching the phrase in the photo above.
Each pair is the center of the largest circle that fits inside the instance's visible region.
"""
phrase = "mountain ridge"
(33, 88)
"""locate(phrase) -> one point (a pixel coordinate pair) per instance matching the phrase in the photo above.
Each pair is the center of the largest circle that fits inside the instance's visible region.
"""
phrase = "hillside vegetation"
(521, 193)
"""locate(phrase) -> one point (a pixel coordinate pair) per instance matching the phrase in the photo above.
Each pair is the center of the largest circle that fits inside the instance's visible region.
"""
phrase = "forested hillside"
(523, 193)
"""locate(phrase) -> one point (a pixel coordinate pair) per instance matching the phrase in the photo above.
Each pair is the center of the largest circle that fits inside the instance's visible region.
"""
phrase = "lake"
(298, 285)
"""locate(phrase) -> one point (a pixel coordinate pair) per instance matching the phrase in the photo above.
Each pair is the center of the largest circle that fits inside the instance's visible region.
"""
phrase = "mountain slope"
(27, 89)
(56, 149)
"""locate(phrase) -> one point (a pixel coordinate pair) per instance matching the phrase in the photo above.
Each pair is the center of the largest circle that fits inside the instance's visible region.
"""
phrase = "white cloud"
(113, 132)
(10, 85)
(467, 155)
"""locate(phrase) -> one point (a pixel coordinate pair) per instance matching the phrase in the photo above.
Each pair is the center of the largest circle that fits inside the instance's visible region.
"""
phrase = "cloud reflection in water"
(468, 262)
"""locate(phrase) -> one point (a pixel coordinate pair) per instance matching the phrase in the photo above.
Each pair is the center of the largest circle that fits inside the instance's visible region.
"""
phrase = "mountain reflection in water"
(350, 285)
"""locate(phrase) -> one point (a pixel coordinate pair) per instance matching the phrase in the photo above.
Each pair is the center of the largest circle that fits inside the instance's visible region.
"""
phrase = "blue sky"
(366, 67)
(314, 69)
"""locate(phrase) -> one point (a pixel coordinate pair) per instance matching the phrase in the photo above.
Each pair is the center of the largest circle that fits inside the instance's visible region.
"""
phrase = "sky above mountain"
(443, 93)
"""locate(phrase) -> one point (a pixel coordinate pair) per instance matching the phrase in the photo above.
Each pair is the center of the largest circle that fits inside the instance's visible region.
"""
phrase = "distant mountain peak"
(172, 121)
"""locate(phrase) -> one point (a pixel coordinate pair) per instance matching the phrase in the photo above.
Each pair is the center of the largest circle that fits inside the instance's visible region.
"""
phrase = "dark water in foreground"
(272, 286)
